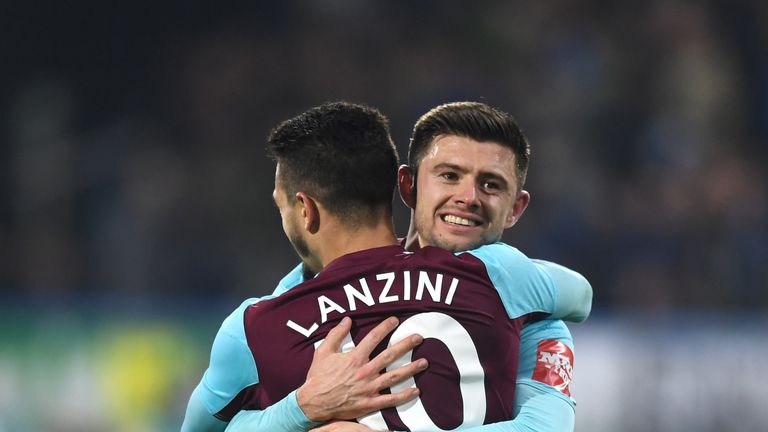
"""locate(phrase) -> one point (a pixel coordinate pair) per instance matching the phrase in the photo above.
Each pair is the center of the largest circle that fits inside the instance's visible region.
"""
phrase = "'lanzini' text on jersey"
(470, 339)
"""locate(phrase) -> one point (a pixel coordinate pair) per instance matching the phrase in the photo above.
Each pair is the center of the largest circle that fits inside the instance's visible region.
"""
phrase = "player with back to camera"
(264, 348)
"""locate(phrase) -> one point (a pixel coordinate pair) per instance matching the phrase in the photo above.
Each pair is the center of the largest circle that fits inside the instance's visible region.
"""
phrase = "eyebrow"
(444, 165)
(482, 175)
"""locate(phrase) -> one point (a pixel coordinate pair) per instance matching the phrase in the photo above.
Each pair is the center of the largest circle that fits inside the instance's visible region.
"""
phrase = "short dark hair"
(474, 120)
(340, 153)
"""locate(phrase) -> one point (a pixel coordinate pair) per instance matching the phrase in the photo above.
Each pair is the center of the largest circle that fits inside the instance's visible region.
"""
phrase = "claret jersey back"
(469, 308)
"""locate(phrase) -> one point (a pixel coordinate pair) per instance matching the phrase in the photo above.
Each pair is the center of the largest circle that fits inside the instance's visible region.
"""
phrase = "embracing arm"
(340, 383)
(284, 416)
(574, 299)
(542, 402)
(541, 412)
(542, 395)
(528, 286)
(231, 370)
(199, 419)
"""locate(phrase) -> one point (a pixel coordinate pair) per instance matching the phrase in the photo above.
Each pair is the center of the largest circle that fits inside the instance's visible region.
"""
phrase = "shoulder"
(232, 367)
(499, 255)
(293, 278)
(231, 342)
(233, 325)
(506, 265)
(524, 286)
(231, 337)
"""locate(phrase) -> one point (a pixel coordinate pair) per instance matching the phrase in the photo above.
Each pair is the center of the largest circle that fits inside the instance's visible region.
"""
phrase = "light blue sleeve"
(538, 407)
(575, 291)
(541, 413)
(293, 278)
(284, 416)
(530, 337)
(523, 286)
(197, 418)
(527, 286)
(231, 369)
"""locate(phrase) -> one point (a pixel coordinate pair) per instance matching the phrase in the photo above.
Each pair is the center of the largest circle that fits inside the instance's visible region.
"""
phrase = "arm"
(527, 286)
(574, 301)
(340, 384)
(231, 370)
(284, 416)
(542, 395)
(541, 413)
(542, 402)
(197, 417)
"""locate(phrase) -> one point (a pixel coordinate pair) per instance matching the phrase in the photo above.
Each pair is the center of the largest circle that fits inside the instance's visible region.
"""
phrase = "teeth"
(458, 221)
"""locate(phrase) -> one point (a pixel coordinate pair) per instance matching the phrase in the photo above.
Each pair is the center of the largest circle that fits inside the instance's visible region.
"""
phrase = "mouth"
(459, 221)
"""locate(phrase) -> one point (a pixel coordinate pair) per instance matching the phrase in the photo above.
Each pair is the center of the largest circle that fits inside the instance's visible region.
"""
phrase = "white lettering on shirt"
(359, 295)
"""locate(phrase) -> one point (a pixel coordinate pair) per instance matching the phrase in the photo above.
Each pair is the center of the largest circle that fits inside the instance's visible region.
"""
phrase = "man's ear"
(406, 185)
(521, 203)
(309, 212)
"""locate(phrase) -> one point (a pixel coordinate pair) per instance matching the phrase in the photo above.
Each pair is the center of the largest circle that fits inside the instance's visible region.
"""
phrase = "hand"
(344, 386)
(342, 426)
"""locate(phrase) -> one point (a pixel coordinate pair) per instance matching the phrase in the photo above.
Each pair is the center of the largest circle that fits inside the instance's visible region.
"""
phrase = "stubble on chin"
(453, 245)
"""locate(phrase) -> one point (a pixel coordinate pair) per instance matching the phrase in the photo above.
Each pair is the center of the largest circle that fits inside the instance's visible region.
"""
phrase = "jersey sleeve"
(542, 403)
(527, 286)
(524, 287)
(199, 419)
(546, 360)
(284, 416)
(231, 369)
(293, 278)
(540, 413)
(575, 291)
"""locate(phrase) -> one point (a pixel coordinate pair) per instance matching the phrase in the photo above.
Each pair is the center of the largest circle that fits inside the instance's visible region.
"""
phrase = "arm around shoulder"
(284, 416)
(198, 419)
(574, 301)
(541, 412)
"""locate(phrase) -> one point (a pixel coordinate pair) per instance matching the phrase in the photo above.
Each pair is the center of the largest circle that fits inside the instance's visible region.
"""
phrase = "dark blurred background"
(135, 193)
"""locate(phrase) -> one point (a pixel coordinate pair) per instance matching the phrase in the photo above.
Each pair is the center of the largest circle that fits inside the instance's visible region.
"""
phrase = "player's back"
(470, 341)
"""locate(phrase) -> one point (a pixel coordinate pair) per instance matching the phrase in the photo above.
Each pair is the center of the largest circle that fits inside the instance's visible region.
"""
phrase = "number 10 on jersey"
(471, 383)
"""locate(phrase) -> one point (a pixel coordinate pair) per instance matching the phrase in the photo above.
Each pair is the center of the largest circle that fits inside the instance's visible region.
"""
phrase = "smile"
(455, 220)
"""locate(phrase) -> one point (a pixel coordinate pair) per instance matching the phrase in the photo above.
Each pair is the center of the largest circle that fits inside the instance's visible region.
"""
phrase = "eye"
(449, 175)
(491, 185)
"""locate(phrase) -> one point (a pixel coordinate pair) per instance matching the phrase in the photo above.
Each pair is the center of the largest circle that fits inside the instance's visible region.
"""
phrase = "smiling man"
(469, 193)
(467, 164)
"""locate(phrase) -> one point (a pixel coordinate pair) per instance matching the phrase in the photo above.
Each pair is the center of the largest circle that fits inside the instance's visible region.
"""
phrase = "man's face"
(290, 213)
(467, 193)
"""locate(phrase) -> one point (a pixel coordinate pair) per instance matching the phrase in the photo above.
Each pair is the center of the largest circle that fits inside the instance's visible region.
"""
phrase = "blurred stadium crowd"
(133, 163)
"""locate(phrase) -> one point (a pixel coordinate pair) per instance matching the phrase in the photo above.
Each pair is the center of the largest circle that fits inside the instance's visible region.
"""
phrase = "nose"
(468, 195)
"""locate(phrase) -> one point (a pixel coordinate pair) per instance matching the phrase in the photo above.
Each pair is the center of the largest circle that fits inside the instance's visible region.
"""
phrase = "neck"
(412, 238)
(339, 241)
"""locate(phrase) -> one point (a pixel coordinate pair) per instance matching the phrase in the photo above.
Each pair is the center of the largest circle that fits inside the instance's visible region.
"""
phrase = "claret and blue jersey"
(469, 307)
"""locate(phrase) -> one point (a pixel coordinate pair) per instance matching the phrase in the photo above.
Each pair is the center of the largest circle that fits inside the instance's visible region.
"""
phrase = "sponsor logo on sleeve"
(554, 365)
